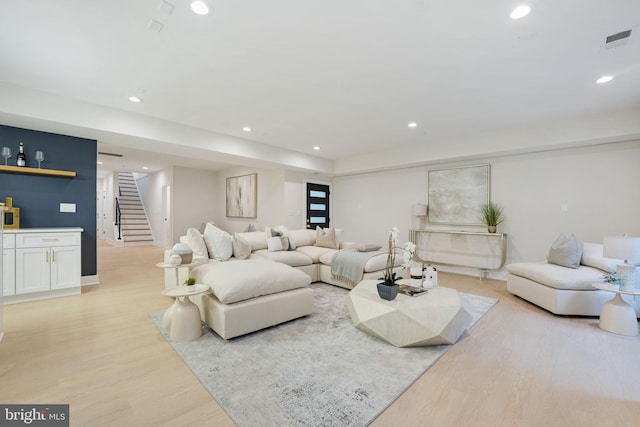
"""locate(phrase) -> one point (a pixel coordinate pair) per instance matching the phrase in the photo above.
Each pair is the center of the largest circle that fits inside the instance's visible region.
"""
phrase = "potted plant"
(492, 216)
(388, 288)
(190, 281)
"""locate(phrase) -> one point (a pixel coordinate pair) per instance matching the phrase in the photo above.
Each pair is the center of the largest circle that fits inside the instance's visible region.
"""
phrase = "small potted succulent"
(190, 282)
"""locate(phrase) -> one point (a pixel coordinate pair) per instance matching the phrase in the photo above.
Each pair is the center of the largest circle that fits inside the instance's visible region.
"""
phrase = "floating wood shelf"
(36, 171)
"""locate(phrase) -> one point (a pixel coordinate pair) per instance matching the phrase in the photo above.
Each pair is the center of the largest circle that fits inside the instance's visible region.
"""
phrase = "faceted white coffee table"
(432, 319)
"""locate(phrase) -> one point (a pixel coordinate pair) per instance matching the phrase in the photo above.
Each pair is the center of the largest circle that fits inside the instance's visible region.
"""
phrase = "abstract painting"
(242, 196)
(456, 195)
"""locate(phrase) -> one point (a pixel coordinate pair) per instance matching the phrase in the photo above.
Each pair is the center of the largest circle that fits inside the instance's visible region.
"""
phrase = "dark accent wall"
(39, 196)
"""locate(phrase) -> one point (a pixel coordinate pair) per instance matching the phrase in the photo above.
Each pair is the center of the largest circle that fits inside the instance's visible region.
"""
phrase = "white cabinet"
(45, 263)
(8, 265)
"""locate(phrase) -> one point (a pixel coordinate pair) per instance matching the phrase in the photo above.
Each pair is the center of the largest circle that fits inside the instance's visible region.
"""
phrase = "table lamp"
(419, 211)
(626, 248)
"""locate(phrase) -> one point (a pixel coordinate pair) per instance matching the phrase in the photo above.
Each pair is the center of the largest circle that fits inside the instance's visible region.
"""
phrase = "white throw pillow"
(196, 243)
(274, 244)
(219, 243)
(326, 238)
(367, 247)
(241, 247)
(566, 252)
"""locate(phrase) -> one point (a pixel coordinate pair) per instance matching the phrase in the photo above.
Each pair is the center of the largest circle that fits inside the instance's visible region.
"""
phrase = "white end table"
(617, 316)
(176, 268)
(184, 316)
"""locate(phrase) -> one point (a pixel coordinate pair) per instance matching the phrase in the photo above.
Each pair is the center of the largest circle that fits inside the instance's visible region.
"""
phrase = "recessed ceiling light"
(145, 168)
(412, 124)
(246, 129)
(604, 79)
(520, 12)
(135, 99)
(316, 148)
(200, 7)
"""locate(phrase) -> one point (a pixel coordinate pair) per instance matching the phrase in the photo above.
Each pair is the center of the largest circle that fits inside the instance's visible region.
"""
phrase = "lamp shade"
(622, 247)
(419, 210)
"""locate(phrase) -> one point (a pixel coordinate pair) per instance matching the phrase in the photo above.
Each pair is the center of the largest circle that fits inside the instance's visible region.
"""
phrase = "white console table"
(482, 251)
(41, 263)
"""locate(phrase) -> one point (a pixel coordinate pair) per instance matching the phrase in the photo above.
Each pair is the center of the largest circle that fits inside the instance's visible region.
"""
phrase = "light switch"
(68, 207)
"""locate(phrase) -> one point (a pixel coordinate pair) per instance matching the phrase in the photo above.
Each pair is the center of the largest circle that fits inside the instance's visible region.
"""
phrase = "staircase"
(135, 228)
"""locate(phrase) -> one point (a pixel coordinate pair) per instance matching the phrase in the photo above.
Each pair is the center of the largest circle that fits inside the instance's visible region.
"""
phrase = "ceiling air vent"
(618, 36)
(109, 154)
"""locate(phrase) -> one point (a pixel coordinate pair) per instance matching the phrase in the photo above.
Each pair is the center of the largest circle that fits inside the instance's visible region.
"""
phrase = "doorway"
(317, 196)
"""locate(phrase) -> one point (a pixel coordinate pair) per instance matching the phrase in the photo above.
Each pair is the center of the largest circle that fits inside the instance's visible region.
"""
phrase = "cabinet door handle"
(50, 239)
(53, 255)
(46, 256)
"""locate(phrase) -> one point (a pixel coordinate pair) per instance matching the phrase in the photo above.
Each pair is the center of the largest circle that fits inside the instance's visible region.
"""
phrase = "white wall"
(195, 198)
(599, 184)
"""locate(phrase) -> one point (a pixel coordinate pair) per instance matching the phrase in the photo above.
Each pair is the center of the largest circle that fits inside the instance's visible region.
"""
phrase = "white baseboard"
(93, 279)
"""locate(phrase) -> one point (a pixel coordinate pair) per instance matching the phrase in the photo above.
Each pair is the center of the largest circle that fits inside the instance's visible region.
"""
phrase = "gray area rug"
(315, 371)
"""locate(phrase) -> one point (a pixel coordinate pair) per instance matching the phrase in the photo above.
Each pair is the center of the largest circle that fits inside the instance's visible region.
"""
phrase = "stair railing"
(118, 219)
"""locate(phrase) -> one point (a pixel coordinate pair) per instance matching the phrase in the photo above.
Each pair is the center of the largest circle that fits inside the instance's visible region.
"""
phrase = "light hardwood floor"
(519, 365)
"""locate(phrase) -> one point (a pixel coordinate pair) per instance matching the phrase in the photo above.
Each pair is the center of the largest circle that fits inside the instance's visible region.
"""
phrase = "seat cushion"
(315, 252)
(240, 280)
(556, 276)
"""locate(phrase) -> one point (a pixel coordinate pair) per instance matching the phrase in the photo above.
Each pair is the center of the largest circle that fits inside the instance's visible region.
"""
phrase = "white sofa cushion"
(257, 239)
(556, 276)
(592, 257)
(292, 258)
(315, 252)
(241, 280)
(196, 243)
(219, 243)
(302, 237)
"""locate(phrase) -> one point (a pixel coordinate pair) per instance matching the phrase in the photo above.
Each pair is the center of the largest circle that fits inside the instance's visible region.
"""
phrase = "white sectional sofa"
(260, 280)
(563, 290)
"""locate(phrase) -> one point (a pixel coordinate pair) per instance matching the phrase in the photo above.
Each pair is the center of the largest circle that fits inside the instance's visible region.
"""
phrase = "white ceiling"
(347, 76)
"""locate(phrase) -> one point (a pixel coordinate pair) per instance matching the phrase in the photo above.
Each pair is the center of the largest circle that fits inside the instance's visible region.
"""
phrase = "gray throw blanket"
(347, 265)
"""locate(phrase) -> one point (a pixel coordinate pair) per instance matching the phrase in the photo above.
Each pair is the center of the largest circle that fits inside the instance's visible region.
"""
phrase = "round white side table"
(184, 320)
(617, 316)
(166, 317)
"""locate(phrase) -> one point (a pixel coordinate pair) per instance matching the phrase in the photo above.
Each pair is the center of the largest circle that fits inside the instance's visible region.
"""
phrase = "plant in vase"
(388, 288)
(492, 216)
(613, 279)
(190, 282)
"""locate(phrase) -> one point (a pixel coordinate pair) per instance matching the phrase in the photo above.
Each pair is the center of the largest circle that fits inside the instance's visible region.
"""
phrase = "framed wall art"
(456, 195)
(242, 196)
